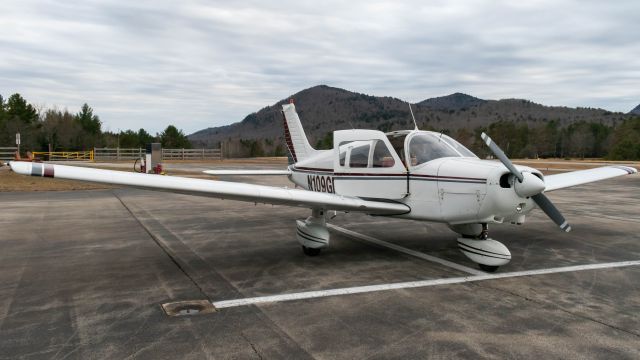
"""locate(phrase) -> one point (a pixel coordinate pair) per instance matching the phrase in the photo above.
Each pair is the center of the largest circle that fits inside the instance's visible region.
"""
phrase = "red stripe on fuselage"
(331, 172)
(287, 138)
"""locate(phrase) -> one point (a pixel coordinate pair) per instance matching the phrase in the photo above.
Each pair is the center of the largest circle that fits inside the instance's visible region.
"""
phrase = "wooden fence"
(102, 154)
(8, 153)
(191, 154)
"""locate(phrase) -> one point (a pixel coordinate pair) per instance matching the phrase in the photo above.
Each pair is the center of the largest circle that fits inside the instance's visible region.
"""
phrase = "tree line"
(55, 130)
(550, 140)
(581, 139)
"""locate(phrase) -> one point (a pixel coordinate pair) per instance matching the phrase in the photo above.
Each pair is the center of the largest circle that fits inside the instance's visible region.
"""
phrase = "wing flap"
(574, 178)
(212, 188)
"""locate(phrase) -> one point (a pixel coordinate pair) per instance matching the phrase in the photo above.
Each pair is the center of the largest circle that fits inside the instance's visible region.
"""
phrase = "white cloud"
(200, 63)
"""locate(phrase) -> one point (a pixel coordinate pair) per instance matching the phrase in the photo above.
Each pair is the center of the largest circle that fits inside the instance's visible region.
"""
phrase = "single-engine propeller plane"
(409, 174)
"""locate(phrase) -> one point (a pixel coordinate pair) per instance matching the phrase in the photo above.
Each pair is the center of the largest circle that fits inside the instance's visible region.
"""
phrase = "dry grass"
(10, 181)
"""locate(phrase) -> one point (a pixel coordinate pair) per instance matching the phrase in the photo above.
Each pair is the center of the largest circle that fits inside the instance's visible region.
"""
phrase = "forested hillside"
(523, 128)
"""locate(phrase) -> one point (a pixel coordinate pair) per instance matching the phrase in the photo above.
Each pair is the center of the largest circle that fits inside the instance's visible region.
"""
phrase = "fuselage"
(437, 177)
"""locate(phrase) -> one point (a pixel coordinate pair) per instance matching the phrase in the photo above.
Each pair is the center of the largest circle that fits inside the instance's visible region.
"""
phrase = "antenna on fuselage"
(413, 117)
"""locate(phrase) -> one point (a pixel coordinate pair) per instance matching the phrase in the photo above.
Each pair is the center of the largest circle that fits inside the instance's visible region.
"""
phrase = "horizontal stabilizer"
(247, 172)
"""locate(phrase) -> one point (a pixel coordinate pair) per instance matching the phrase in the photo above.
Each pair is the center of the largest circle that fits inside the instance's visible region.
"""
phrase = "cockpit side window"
(381, 155)
(397, 141)
(427, 147)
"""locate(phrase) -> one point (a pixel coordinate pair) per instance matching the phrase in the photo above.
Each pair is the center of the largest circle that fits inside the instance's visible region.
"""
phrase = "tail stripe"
(287, 137)
(295, 137)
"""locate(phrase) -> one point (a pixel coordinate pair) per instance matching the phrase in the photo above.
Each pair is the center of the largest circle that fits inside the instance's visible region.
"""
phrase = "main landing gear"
(312, 233)
(475, 244)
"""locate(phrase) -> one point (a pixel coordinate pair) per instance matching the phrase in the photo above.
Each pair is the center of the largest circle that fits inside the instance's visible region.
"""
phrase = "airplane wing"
(247, 172)
(211, 188)
(573, 178)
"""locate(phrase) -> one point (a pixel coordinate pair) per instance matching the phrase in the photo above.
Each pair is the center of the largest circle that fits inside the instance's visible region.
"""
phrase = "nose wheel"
(488, 268)
(311, 251)
(489, 254)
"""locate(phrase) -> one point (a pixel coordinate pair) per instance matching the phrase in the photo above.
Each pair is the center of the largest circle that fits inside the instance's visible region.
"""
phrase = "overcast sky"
(198, 64)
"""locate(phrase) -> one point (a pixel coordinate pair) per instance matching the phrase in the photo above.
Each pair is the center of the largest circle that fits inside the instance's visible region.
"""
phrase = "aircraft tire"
(488, 268)
(311, 251)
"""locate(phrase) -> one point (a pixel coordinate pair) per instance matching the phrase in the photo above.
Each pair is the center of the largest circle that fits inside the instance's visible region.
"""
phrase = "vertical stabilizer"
(294, 135)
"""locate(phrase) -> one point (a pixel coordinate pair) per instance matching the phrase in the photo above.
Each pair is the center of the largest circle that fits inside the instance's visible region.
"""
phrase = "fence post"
(117, 153)
(202, 153)
(182, 153)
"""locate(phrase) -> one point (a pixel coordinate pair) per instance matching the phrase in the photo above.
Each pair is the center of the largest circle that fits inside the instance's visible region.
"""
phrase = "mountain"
(324, 109)
(635, 111)
(457, 101)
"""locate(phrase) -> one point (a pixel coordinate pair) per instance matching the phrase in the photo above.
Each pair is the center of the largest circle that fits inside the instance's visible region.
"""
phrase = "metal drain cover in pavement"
(189, 307)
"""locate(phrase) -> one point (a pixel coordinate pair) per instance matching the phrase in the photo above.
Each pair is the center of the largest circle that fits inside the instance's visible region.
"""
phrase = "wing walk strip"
(415, 284)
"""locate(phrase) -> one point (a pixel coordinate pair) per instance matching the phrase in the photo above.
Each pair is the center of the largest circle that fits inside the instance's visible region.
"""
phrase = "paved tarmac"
(83, 275)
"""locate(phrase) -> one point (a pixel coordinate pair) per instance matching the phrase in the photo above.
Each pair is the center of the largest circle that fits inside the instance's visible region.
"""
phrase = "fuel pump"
(150, 162)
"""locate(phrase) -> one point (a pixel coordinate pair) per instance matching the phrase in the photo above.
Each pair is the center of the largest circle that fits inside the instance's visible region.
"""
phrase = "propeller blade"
(500, 155)
(540, 199)
(552, 212)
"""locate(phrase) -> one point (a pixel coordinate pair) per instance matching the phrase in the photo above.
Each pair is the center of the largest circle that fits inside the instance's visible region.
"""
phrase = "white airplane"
(409, 174)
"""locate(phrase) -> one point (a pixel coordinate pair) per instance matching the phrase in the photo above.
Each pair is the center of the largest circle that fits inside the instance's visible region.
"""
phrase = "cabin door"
(366, 165)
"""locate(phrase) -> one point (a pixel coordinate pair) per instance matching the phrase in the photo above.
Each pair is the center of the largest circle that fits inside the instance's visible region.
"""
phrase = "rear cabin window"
(365, 154)
(359, 157)
(343, 155)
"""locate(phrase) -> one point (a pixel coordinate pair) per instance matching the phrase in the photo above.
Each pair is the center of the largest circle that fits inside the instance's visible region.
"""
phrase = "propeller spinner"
(529, 185)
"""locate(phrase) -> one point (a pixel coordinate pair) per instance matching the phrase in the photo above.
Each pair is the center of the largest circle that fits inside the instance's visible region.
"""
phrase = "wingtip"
(630, 170)
(21, 167)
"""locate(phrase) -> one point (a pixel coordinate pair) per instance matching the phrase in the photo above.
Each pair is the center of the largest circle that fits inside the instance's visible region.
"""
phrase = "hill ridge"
(323, 109)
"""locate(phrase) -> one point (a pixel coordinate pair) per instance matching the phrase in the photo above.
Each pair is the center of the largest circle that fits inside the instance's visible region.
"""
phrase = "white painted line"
(404, 250)
(414, 284)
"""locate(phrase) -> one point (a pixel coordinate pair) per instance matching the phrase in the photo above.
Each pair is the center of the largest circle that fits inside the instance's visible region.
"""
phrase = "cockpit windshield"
(458, 147)
(424, 147)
